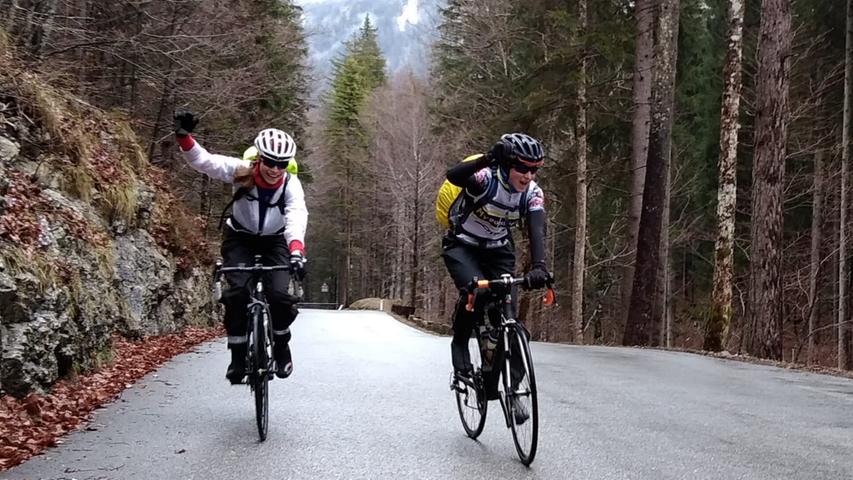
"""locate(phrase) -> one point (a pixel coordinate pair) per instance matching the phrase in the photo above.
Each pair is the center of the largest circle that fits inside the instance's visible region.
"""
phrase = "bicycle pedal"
(457, 384)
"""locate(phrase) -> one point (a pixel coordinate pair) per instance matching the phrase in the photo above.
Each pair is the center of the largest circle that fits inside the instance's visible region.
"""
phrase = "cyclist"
(498, 190)
(268, 218)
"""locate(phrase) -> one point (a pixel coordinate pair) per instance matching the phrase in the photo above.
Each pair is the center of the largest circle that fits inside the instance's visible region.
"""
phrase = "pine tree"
(356, 74)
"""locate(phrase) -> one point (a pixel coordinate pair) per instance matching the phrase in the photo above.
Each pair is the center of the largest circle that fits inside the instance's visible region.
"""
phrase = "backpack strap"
(246, 192)
(240, 193)
(469, 207)
(280, 203)
(522, 208)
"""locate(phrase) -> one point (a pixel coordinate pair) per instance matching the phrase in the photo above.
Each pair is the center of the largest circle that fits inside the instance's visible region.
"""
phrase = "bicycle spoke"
(522, 398)
(469, 400)
(259, 377)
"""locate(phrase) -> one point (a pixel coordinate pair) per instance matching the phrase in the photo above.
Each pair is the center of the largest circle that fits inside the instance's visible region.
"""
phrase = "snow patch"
(409, 15)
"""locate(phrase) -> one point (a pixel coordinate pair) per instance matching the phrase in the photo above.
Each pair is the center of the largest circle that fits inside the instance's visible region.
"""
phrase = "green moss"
(75, 291)
(4, 40)
(105, 259)
(103, 356)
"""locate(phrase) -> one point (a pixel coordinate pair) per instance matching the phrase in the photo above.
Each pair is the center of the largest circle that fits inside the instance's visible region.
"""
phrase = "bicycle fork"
(506, 374)
(511, 387)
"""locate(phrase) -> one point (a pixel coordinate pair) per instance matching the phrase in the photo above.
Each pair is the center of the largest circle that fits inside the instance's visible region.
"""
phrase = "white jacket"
(246, 210)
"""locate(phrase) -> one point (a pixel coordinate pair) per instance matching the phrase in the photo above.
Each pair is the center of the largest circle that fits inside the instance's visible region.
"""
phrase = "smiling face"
(272, 171)
(518, 180)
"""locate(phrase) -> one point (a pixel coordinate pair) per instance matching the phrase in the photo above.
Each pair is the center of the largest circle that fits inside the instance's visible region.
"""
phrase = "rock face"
(64, 297)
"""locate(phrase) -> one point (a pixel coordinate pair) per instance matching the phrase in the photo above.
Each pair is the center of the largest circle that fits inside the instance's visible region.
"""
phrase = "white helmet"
(274, 144)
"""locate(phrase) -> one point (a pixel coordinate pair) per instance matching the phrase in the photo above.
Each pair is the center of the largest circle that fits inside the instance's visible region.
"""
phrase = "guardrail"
(403, 310)
(320, 306)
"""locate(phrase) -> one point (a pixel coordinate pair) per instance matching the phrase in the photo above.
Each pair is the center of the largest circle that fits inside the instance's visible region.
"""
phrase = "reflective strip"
(238, 339)
(281, 332)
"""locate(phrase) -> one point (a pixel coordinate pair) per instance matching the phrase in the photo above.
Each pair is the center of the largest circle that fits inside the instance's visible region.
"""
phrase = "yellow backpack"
(447, 196)
(251, 154)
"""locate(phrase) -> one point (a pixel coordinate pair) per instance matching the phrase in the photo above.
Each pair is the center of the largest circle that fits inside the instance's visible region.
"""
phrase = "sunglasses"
(274, 164)
(522, 168)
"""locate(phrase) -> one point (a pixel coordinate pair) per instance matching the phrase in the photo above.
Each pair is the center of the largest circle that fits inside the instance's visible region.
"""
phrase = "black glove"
(297, 264)
(537, 277)
(185, 122)
(500, 153)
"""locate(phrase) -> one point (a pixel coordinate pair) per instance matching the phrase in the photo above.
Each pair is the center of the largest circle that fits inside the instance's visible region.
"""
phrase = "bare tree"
(843, 327)
(581, 193)
(817, 217)
(403, 153)
(716, 331)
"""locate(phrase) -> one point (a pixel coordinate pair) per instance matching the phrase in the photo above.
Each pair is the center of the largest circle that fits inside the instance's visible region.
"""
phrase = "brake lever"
(550, 296)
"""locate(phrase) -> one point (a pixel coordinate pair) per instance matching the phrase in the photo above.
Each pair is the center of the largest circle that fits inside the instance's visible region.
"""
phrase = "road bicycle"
(510, 358)
(260, 364)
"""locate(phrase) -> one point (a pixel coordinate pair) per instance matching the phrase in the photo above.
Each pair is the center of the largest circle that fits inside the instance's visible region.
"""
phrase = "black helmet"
(526, 148)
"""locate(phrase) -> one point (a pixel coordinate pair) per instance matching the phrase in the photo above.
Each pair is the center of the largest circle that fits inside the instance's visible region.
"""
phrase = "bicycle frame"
(508, 324)
(511, 362)
(259, 358)
(257, 300)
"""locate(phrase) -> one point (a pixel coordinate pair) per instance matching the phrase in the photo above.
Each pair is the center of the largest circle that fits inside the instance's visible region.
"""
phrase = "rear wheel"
(522, 404)
(259, 372)
(471, 394)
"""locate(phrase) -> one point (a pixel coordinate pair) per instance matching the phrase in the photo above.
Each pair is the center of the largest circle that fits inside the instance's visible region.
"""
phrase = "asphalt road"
(369, 398)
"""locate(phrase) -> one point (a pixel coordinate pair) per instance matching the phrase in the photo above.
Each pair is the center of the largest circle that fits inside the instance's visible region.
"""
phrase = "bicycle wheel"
(471, 394)
(522, 404)
(258, 375)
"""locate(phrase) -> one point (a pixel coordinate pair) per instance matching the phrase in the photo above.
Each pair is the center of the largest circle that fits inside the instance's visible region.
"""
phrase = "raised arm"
(220, 167)
(463, 174)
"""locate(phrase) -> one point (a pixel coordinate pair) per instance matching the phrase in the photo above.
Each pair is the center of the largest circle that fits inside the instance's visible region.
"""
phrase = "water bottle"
(488, 343)
(217, 281)
(217, 290)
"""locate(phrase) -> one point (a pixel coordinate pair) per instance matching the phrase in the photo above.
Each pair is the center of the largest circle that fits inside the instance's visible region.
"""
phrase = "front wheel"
(519, 383)
(471, 395)
(259, 371)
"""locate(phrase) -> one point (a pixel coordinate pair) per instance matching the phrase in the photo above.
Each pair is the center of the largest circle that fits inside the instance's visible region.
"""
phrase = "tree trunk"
(344, 272)
(204, 199)
(845, 170)
(43, 26)
(11, 15)
(817, 215)
(416, 224)
(764, 331)
(662, 298)
(580, 195)
(719, 320)
(165, 95)
(643, 323)
(644, 12)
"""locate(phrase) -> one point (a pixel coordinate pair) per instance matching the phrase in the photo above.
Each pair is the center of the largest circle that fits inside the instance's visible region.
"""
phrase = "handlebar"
(507, 280)
(257, 267)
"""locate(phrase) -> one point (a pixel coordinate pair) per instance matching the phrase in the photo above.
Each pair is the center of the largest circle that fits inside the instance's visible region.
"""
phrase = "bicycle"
(512, 356)
(260, 363)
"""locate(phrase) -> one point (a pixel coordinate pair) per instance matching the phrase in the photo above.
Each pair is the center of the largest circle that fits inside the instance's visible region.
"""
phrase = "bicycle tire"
(525, 435)
(471, 397)
(259, 372)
